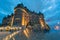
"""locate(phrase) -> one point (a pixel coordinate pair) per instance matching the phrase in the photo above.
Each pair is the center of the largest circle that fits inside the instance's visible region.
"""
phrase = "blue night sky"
(50, 8)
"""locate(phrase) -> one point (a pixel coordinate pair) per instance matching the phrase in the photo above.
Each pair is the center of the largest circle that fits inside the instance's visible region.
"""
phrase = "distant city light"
(56, 28)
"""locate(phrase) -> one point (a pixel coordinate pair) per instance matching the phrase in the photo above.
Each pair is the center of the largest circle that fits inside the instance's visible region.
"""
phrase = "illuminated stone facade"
(7, 20)
(24, 17)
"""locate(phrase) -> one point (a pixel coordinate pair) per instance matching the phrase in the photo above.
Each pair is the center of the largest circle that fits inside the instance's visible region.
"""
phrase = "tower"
(21, 17)
(44, 26)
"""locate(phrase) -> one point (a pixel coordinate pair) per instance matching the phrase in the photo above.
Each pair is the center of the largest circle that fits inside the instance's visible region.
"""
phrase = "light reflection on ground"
(37, 35)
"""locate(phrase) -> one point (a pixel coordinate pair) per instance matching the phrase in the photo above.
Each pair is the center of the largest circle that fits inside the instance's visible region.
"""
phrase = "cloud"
(2, 11)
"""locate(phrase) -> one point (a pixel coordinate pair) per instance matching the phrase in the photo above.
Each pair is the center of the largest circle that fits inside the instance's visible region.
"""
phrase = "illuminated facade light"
(23, 20)
(26, 32)
(17, 19)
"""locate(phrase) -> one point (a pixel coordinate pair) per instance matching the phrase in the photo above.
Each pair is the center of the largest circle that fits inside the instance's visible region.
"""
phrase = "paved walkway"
(3, 34)
(52, 35)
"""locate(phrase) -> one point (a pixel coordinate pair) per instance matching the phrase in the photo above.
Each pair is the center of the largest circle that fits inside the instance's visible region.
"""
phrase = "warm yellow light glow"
(17, 19)
(7, 28)
(42, 24)
(8, 37)
(23, 21)
(20, 9)
(12, 21)
(13, 38)
(26, 32)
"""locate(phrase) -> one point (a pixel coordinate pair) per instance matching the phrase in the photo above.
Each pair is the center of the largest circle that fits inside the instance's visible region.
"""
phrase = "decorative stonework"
(24, 17)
